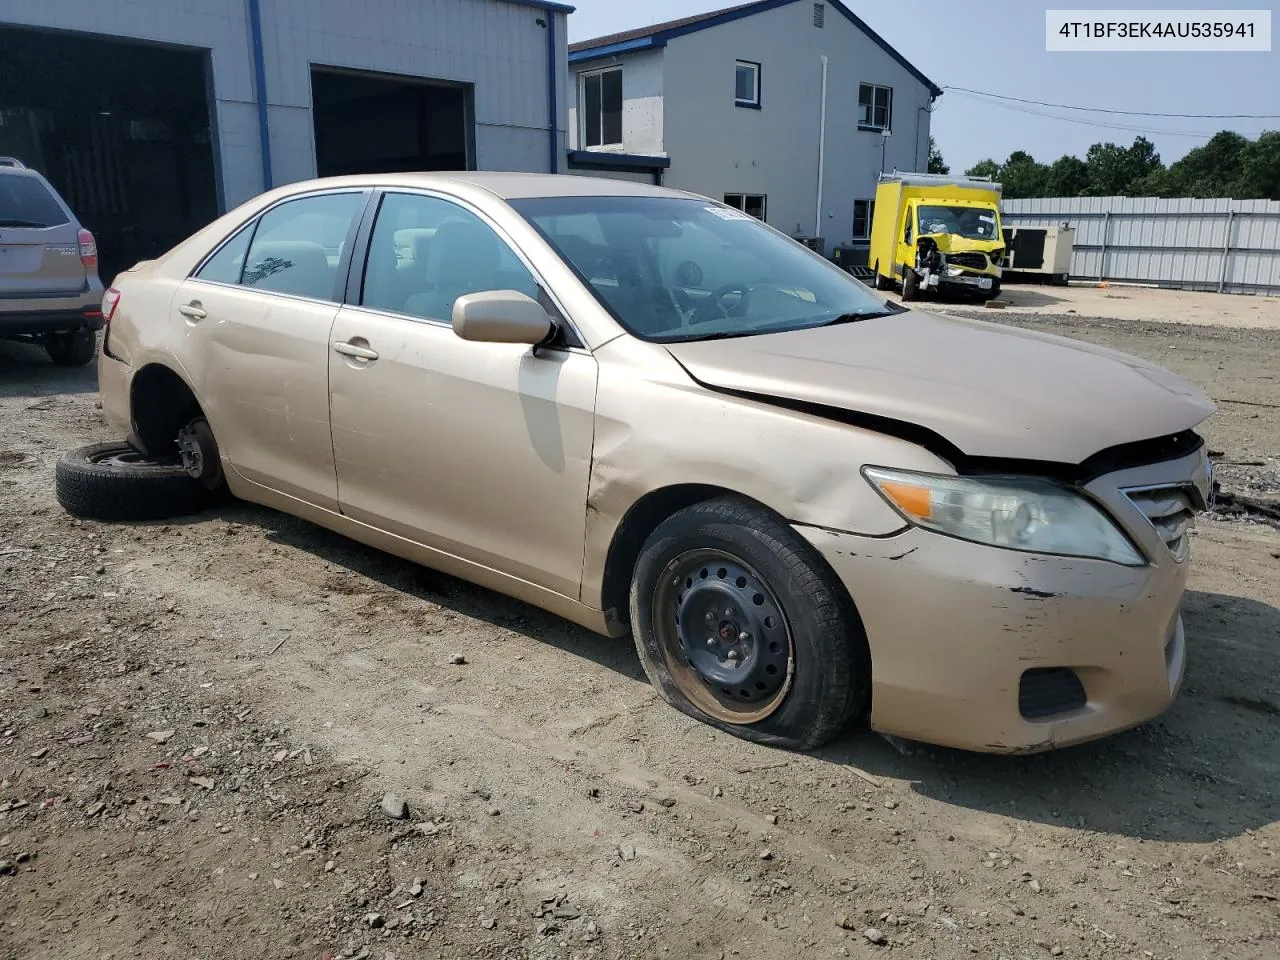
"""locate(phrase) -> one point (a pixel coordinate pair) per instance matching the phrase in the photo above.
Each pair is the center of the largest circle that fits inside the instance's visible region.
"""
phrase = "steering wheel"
(712, 309)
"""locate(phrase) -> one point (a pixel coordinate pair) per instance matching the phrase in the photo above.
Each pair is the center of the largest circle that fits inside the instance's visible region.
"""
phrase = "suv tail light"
(88, 249)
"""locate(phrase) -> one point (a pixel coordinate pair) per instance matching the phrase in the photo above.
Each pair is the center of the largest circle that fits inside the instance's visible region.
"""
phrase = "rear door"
(39, 240)
(251, 328)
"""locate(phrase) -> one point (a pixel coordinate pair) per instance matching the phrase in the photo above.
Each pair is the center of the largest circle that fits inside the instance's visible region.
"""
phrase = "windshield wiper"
(860, 315)
(22, 223)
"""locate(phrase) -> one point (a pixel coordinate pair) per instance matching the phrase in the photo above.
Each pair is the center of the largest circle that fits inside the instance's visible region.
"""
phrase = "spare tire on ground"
(112, 481)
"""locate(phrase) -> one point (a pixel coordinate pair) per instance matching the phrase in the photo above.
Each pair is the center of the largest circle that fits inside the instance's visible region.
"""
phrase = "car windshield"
(673, 269)
(972, 223)
(26, 202)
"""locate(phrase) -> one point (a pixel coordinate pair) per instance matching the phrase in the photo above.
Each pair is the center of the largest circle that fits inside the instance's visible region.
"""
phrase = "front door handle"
(354, 350)
(193, 310)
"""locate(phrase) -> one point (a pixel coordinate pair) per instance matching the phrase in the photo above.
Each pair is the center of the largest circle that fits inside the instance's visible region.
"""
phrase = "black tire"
(910, 284)
(112, 481)
(829, 668)
(882, 282)
(993, 292)
(73, 348)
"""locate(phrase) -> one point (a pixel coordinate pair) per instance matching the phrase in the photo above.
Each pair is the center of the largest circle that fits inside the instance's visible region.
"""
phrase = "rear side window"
(297, 246)
(225, 265)
(26, 202)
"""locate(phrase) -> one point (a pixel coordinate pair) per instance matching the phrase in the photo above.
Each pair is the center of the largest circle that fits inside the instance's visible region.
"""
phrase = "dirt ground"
(199, 722)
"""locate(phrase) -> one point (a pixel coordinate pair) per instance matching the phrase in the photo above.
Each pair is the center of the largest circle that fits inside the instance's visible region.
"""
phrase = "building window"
(863, 211)
(819, 15)
(746, 91)
(875, 107)
(752, 203)
(601, 100)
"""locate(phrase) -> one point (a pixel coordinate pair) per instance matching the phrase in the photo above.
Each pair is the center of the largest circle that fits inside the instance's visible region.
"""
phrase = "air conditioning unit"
(1039, 252)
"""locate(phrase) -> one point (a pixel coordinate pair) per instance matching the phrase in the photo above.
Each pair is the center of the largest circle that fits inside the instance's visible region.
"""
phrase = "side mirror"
(500, 316)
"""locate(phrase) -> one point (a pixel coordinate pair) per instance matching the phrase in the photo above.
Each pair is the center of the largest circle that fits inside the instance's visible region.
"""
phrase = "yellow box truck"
(934, 233)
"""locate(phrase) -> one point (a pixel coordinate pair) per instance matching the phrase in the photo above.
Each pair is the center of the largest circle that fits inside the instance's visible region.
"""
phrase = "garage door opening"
(120, 128)
(385, 123)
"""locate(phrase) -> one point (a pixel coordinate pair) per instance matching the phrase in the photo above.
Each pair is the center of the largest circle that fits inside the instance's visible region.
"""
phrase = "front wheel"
(910, 284)
(740, 623)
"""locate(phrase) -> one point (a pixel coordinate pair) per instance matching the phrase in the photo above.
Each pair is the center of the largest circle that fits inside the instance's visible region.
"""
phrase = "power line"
(1089, 123)
(1127, 113)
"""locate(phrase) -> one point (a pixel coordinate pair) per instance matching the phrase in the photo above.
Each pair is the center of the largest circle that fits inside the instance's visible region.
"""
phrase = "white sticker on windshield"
(986, 219)
(728, 213)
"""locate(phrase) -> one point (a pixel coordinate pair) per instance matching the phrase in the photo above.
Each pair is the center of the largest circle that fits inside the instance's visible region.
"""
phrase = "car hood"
(990, 390)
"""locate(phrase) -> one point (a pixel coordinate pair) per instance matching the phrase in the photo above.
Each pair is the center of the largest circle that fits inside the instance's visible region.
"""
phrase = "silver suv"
(50, 292)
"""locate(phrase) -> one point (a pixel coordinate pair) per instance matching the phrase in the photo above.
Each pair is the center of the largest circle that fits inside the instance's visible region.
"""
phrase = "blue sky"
(998, 46)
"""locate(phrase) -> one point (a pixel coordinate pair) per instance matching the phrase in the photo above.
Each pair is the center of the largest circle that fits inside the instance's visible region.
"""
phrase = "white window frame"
(739, 202)
(871, 124)
(754, 101)
(582, 108)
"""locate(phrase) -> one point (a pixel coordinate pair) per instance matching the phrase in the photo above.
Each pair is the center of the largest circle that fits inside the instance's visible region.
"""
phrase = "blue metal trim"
(553, 105)
(620, 161)
(260, 82)
(544, 5)
(613, 49)
(659, 38)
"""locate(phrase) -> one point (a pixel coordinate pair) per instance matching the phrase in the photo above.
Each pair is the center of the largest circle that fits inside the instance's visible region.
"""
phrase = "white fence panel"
(1231, 246)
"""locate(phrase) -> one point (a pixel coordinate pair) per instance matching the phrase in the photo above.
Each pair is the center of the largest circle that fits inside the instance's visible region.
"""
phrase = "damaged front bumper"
(1000, 651)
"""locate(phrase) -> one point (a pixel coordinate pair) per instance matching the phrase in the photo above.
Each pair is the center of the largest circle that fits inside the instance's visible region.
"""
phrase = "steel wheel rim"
(723, 636)
(125, 458)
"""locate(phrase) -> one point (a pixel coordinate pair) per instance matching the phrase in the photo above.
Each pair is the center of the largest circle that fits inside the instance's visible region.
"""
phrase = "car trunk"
(39, 244)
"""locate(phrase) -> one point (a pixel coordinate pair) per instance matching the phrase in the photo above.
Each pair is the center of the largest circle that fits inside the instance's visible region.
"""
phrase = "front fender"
(657, 428)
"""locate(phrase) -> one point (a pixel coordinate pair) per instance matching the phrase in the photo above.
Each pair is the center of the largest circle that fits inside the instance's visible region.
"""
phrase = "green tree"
(1022, 176)
(1213, 170)
(1260, 168)
(984, 168)
(936, 163)
(1068, 177)
(1116, 171)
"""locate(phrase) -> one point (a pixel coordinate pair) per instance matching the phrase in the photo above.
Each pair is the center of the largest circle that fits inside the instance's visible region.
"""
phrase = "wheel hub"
(192, 455)
(731, 630)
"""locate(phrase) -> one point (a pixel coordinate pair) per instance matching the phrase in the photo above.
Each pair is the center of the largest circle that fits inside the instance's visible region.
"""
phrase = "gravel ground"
(200, 723)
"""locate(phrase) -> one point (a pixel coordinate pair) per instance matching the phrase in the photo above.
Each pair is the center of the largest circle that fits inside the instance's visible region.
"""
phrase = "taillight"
(110, 300)
(88, 248)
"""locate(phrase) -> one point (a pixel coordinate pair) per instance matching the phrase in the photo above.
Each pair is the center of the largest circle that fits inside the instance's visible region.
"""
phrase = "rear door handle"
(354, 350)
(193, 310)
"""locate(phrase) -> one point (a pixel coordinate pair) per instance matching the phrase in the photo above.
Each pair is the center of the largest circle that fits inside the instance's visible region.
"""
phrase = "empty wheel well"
(160, 403)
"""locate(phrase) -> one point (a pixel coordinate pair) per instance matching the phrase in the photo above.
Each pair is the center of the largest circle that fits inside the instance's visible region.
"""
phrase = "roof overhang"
(544, 5)
(659, 37)
(604, 160)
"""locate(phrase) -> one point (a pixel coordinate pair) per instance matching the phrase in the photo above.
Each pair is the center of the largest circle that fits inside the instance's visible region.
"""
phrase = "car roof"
(508, 186)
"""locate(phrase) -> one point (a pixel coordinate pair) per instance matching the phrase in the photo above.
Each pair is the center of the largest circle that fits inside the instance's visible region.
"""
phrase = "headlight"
(1037, 516)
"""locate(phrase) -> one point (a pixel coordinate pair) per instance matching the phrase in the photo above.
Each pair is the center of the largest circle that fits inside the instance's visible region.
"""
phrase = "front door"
(480, 450)
(251, 329)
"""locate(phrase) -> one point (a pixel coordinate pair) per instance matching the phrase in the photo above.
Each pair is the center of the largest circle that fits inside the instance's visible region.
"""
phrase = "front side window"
(426, 252)
(297, 245)
(747, 84)
(863, 210)
(674, 269)
(875, 107)
(601, 107)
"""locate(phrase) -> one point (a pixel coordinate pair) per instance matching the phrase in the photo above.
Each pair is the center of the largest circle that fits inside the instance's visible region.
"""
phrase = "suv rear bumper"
(49, 321)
